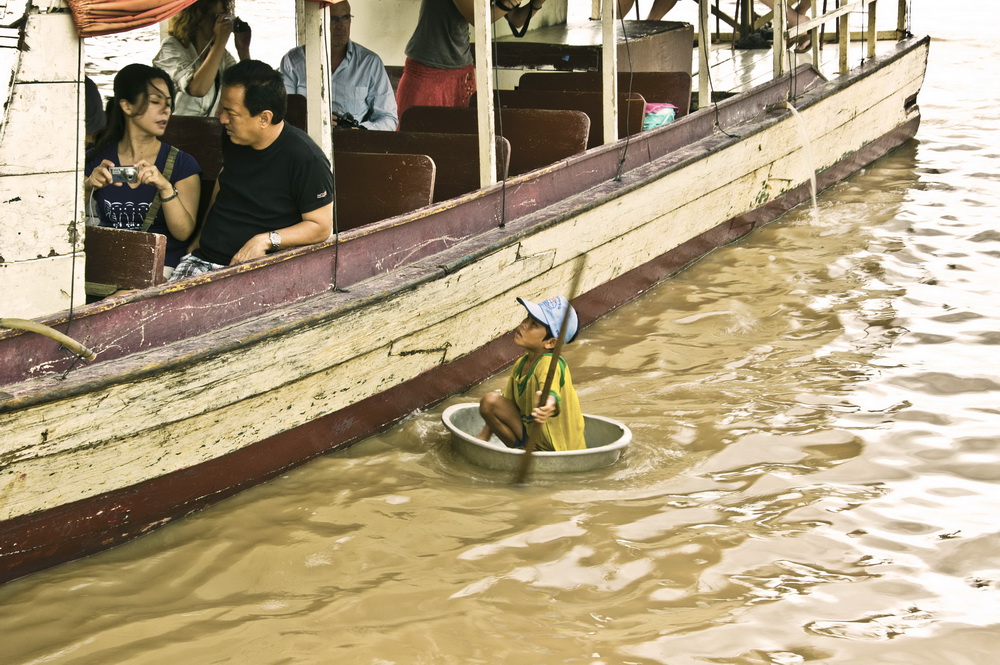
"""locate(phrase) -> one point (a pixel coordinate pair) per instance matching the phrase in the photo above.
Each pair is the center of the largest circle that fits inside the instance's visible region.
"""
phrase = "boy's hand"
(542, 413)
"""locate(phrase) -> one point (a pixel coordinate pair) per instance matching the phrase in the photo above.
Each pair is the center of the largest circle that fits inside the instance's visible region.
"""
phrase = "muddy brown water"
(814, 477)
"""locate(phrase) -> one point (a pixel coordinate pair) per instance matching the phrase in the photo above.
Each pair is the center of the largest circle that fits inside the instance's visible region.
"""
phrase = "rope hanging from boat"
(333, 176)
(74, 231)
(79, 350)
(498, 115)
(628, 97)
(703, 29)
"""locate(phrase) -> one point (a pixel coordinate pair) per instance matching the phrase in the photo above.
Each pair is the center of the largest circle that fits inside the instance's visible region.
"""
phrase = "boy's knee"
(488, 403)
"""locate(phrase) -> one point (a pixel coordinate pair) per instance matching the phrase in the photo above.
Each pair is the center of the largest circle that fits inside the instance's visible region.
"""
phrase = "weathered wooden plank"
(50, 279)
(51, 54)
(37, 216)
(22, 152)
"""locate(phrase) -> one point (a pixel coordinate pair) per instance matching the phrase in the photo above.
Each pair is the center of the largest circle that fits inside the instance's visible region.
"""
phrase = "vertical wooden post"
(845, 41)
(704, 49)
(314, 27)
(779, 37)
(484, 94)
(901, 19)
(815, 32)
(872, 30)
(609, 68)
(300, 22)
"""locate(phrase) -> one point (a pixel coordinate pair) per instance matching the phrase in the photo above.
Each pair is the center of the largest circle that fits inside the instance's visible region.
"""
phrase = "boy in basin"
(509, 413)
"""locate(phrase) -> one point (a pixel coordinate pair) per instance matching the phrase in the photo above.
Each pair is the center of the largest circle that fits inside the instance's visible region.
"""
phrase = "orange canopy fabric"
(107, 17)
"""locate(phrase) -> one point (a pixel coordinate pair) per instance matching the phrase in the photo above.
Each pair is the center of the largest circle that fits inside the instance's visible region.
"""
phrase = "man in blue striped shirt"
(359, 85)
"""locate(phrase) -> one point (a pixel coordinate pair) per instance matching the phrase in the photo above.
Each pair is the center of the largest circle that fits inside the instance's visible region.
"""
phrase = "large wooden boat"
(204, 387)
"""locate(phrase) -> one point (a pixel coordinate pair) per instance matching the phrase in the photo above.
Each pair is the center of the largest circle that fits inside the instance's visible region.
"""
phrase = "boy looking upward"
(509, 413)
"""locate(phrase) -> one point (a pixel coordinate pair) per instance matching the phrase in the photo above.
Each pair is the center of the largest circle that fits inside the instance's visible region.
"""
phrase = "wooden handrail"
(818, 21)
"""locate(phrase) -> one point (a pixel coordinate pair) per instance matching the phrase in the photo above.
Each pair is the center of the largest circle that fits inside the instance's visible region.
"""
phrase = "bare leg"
(661, 7)
(624, 7)
(794, 16)
(502, 418)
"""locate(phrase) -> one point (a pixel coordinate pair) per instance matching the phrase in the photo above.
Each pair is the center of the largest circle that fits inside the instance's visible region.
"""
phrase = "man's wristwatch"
(275, 241)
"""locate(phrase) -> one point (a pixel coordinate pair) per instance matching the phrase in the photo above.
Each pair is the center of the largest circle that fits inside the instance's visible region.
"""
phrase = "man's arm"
(316, 226)
(501, 8)
(291, 70)
(381, 101)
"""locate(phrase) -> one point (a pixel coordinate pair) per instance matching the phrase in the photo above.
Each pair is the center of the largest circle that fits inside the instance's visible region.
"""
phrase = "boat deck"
(739, 70)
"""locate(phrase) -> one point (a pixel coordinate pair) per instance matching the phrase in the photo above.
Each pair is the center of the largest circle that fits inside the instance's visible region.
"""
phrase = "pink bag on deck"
(658, 114)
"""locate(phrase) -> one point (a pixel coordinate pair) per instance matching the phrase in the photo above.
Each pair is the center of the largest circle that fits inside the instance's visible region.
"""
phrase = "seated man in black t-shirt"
(276, 187)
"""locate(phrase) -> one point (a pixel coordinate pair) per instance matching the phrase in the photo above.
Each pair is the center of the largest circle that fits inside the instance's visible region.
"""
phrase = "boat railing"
(840, 14)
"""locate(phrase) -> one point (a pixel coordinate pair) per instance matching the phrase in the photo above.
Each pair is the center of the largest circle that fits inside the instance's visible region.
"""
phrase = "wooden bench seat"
(456, 156)
(119, 259)
(655, 87)
(631, 109)
(371, 186)
(295, 111)
(202, 139)
(537, 137)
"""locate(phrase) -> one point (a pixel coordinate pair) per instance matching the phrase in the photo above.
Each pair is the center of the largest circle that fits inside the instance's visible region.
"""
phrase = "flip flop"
(802, 43)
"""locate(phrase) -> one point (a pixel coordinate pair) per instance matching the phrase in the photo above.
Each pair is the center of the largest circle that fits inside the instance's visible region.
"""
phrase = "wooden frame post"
(313, 21)
(704, 48)
(609, 68)
(779, 37)
(872, 29)
(843, 22)
(484, 93)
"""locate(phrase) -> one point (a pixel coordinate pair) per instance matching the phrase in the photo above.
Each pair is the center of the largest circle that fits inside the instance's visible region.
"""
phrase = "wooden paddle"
(534, 430)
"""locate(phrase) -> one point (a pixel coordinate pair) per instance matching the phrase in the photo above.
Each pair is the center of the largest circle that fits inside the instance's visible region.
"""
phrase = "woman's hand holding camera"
(101, 176)
(148, 174)
(226, 25)
(223, 28)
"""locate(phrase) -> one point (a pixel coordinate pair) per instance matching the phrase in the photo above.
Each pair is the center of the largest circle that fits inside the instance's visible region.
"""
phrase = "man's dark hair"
(263, 89)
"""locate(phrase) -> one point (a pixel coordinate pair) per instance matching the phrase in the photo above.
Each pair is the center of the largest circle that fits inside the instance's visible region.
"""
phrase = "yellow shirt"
(563, 431)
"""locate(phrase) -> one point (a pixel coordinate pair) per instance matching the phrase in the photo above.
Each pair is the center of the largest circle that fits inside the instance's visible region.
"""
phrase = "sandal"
(802, 43)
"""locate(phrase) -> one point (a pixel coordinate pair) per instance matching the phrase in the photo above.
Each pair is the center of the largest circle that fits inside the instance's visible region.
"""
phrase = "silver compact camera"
(124, 174)
(239, 25)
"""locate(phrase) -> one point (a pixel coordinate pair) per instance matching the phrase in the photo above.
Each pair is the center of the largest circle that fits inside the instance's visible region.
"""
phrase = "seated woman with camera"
(195, 53)
(135, 181)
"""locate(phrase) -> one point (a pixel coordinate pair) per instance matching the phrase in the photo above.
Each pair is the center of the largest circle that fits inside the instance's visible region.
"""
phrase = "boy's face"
(532, 335)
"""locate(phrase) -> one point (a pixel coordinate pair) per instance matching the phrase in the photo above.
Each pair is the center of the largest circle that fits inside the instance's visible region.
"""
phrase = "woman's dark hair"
(263, 89)
(132, 85)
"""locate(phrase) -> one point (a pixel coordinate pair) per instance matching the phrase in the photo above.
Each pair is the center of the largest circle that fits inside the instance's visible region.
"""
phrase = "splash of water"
(807, 155)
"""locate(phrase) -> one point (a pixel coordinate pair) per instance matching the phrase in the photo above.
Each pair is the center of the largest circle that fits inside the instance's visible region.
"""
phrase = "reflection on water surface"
(814, 476)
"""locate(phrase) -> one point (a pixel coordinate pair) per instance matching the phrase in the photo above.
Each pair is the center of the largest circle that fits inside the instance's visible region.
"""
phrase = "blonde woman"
(195, 53)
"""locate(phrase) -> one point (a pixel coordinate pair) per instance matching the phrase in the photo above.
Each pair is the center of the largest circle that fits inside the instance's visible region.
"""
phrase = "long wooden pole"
(535, 429)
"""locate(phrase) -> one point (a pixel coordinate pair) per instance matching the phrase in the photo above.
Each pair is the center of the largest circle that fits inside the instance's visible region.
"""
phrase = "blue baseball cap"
(551, 313)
